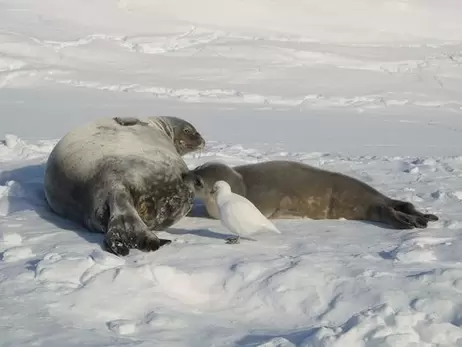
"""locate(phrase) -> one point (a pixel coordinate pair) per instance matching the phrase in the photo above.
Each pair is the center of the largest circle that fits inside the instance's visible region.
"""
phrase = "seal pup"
(238, 214)
(123, 177)
(287, 189)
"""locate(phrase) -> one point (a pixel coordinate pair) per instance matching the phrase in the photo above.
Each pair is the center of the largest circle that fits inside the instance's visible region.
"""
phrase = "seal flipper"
(401, 220)
(125, 229)
(407, 207)
(129, 121)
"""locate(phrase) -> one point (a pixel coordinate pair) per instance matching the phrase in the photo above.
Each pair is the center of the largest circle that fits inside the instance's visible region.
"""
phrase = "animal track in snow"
(418, 249)
(54, 269)
(153, 320)
(439, 194)
(384, 327)
(122, 326)
(165, 44)
(276, 342)
(106, 259)
(162, 320)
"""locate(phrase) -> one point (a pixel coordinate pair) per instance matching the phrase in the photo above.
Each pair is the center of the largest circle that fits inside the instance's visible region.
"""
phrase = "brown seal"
(287, 189)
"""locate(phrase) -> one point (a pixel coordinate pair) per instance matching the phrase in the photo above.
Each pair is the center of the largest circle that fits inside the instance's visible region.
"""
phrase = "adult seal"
(123, 177)
(286, 189)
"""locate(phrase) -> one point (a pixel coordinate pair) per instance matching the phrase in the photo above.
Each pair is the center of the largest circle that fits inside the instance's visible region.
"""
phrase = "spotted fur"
(123, 177)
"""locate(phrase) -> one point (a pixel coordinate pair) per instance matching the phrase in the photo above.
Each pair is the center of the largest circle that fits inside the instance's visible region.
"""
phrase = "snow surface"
(369, 88)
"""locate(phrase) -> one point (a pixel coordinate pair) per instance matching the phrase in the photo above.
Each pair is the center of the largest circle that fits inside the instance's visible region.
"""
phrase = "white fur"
(238, 214)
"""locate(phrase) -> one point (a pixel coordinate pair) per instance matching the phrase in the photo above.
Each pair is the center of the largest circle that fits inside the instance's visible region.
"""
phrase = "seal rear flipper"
(408, 208)
(401, 220)
(125, 228)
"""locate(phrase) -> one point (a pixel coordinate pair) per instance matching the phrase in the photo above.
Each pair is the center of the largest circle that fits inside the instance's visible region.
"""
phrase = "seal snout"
(189, 141)
(187, 177)
(192, 180)
(196, 141)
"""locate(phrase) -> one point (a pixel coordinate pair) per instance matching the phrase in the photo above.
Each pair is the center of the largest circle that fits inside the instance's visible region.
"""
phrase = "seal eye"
(198, 183)
(187, 131)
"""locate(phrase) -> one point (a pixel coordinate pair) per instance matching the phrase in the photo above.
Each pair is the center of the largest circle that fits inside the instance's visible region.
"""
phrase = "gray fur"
(286, 189)
(123, 177)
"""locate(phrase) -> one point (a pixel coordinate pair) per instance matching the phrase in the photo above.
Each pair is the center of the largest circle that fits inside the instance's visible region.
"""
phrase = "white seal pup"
(288, 189)
(238, 214)
(123, 177)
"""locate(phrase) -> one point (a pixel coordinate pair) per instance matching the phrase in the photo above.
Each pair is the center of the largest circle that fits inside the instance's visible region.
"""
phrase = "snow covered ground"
(370, 88)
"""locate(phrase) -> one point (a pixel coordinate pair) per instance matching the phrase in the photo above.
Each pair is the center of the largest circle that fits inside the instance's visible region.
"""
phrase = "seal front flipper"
(125, 228)
(129, 121)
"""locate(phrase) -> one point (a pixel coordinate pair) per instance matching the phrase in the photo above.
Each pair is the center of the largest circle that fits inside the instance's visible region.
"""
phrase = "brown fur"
(286, 189)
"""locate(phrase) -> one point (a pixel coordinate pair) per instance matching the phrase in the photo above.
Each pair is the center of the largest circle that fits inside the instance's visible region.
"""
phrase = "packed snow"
(372, 89)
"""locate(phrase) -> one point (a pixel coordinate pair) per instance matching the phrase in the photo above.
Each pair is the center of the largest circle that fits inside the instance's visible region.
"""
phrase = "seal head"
(205, 176)
(184, 135)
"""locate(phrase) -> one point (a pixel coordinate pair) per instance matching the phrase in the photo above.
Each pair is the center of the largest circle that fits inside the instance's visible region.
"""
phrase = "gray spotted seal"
(287, 189)
(123, 177)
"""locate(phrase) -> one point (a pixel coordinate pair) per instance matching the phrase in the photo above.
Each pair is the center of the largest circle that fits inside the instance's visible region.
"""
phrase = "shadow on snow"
(26, 193)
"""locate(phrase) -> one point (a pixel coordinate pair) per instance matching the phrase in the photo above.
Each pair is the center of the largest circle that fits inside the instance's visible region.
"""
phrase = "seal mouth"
(200, 145)
(189, 145)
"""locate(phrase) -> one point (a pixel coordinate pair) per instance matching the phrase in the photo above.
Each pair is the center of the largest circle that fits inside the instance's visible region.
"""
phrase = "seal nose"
(191, 179)
(201, 140)
(186, 176)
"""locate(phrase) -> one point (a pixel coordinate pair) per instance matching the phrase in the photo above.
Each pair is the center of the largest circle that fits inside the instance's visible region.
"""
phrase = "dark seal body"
(123, 177)
(287, 189)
